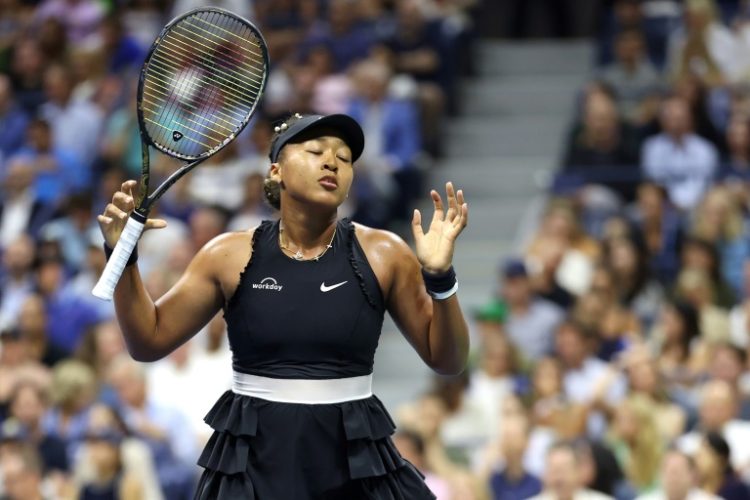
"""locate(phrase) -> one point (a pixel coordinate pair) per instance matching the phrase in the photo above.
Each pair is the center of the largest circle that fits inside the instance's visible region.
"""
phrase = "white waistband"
(303, 391)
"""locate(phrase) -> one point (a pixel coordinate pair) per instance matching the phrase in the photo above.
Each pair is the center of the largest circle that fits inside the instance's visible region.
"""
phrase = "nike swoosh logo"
(324, 288)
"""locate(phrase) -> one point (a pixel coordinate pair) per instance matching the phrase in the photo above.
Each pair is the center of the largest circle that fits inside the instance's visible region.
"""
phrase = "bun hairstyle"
(271, 188)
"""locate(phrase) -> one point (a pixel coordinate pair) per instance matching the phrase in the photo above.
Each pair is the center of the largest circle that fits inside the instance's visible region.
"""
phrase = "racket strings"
(203, 81)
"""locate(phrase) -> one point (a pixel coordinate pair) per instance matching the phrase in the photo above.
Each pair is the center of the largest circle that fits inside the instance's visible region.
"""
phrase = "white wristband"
(445, 295)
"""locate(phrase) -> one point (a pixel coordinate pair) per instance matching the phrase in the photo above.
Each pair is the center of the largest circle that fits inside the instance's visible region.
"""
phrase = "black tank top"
(305, 319)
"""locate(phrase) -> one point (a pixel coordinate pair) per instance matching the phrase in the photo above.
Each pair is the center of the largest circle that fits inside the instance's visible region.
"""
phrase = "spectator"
(76, 125)
(702, 255)
(80, 17)
(705, 47)
(562, 478)
(739, 327)
(675, 338)
(715, 471)
(678, 478)
(514, 482)
(735, 167)
(495, 378)
(633, 285)
(347, 38)
(576, 252)
(719, 220)
(22, 475)
(586, 379)
(636, 442)
(412, 447)
(644, 380)
(551, 408)
(728, 363)
(162, 427)
(73, 390)
(16, 282)
(253, 209)
(417, 46)
(677, 158)
(632, 76)
(531, 322)
(718, 412)
(13, 120)
(16, 366)
(390, 162)
(27, 66)
(22, 211)
(659, 226)
(28, 404)
(694, 286)
(601, 145)
(32, 323)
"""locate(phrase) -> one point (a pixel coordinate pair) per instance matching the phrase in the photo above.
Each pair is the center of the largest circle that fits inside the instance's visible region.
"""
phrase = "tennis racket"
(198, 88)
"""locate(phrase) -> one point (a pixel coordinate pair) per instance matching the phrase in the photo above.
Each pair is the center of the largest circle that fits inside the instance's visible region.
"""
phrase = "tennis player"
(304, 299)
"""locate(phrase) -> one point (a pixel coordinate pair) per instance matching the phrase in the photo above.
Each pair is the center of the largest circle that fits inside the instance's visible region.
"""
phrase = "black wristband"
(440, 286)
(133, 256)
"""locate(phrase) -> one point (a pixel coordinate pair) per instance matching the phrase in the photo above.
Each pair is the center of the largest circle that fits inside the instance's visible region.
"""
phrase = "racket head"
(201, 83)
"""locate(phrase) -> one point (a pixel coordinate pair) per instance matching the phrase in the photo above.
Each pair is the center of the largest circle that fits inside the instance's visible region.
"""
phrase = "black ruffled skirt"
(262, 450)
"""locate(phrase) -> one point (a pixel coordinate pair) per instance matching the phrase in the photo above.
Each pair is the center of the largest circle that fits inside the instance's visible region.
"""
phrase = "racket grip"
(105, 287)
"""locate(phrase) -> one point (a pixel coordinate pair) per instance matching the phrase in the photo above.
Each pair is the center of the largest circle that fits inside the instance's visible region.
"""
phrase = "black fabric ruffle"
(373, 460)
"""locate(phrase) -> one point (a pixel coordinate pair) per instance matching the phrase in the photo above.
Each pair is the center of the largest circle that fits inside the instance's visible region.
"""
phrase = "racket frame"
(104, 288)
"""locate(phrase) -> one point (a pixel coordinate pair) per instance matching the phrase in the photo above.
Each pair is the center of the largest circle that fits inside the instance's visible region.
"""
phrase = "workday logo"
(268, 284)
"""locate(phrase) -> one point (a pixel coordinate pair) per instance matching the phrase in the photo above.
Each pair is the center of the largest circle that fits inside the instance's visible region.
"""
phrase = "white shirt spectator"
(533, 333)
(694, 494)
(76, 128)
(738, 334)
(737, 435)
(686, 169)
(582, 384)
(578, 495)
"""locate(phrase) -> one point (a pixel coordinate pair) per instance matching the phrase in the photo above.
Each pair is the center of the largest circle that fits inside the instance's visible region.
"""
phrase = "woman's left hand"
(435, 248)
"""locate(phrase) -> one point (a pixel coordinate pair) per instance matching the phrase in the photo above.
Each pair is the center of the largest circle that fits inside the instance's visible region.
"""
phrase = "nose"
(329, 162)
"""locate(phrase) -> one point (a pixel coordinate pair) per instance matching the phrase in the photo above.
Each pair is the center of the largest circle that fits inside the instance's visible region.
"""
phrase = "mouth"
(329, 182)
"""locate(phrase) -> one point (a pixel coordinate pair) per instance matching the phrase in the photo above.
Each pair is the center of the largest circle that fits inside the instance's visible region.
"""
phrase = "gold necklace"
(298, 255)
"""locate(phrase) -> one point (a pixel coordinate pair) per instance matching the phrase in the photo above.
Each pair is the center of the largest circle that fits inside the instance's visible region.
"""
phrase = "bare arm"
(435, 327)
(154, 329)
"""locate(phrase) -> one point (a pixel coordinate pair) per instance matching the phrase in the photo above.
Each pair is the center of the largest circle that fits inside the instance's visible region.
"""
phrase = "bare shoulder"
(388, 255)
(381, 242)
(227, 245)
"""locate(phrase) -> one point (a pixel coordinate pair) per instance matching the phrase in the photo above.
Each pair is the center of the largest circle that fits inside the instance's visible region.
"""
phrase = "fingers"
(437, 203)
(114, 212)
(452, 204)
(123, 201)
(155, 224)
(416, 226)
(128, 186)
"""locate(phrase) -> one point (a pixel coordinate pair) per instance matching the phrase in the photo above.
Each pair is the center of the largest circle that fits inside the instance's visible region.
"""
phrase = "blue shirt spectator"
(13, 121)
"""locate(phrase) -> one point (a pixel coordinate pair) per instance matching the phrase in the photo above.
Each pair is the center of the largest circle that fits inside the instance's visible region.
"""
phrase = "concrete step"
(540, 58)
(511, 95)
(490, 137)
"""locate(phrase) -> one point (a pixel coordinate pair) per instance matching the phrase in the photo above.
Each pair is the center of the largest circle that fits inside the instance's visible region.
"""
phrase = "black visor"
(347, 126)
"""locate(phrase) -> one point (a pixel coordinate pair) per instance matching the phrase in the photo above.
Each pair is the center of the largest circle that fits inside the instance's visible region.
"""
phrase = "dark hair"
(721, 448)
(414, 438)
(271, 188)
(691, 324)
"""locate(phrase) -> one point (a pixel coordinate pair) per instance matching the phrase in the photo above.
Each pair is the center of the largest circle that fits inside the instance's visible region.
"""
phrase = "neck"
(306, 230)
(514, 469)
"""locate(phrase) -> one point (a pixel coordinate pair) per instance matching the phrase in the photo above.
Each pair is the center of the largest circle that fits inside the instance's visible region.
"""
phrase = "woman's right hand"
(115, 215)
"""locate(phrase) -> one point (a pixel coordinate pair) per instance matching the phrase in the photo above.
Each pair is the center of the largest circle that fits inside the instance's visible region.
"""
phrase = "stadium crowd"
(612, 361)
(78, 417)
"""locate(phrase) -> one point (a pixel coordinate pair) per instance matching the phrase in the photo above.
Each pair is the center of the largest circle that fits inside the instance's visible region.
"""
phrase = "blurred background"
(604, 149)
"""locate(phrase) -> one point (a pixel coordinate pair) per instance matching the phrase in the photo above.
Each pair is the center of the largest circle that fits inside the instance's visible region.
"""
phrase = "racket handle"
(105, 287)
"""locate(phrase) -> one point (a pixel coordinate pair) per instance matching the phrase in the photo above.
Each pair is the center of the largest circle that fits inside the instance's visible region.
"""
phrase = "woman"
(308, 306)
(715, 472)
(635, 440)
